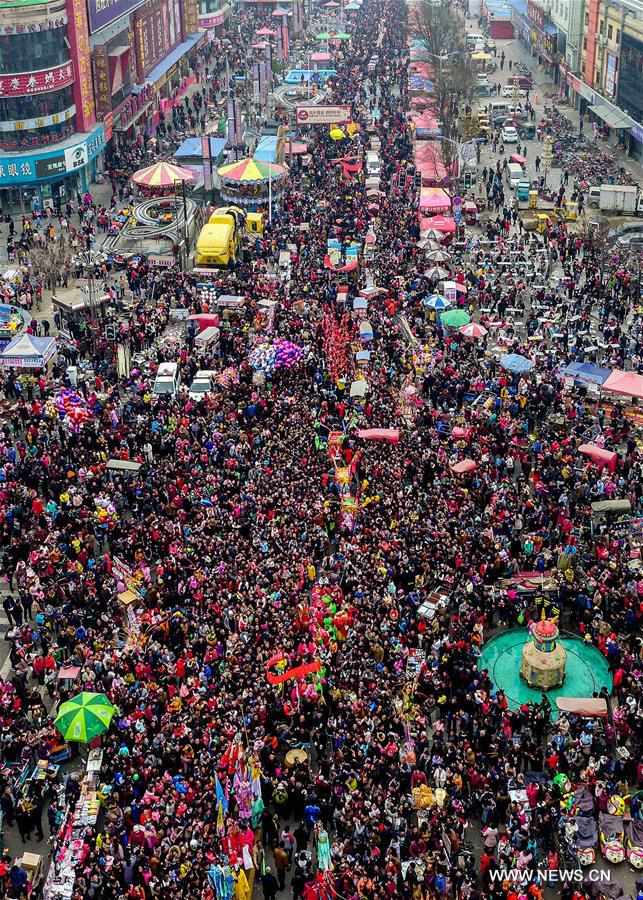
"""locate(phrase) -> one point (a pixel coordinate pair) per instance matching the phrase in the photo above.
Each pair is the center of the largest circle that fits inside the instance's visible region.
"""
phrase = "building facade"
(50, 140)
(77, 74)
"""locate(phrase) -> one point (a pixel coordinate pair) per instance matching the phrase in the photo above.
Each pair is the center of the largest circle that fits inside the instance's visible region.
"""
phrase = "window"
(586, 20)
(584, 43)
(601, 27)
(609, 32)
(618, 35)
(597, 77)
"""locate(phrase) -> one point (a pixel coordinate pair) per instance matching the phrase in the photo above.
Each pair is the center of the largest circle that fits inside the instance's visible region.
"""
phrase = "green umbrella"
(455, 318)
(84, 717)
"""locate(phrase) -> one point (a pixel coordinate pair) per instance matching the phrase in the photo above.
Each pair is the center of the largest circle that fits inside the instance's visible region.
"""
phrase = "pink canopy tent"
(445, 224)
(320, 56)
(599, 456)
(389, 435)
(434, 200)
(426, 119)
(429, 163)
(464, 467)
(628, 383)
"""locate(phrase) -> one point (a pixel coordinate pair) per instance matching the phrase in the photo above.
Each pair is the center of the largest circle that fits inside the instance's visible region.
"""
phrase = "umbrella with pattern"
(84, 717)
(161, 175)
(246, 171)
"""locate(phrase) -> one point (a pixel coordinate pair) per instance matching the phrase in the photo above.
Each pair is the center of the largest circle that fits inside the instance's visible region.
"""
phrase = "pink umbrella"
(464, 467)
(473, 330)
(266, 31)
(462, 288)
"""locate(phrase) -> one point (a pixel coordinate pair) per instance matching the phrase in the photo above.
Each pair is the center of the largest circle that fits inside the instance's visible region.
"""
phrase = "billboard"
(157, 30)
(78, 38)
(102, 12)
(37, 82)
(323, 115)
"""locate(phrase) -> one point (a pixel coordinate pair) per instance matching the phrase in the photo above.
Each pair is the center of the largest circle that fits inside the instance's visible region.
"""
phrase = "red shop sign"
(37, 82)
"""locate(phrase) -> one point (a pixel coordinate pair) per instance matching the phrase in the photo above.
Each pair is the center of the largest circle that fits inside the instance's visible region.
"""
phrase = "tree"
(440, 30)
(50, 261)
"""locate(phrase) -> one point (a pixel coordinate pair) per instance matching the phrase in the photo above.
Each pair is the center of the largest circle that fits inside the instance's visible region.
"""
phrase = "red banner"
(37, 82)
(78, 36)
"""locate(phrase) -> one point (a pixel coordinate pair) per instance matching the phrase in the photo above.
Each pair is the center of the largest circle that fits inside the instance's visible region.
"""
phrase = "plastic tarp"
(428, 162)
(435, 200)
(628, 383)
(388, 435)
(425, 123)
(586, 372)
(599, 456)
(589, 707)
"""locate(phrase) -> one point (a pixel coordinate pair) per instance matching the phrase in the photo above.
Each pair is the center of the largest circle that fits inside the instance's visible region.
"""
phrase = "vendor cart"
(470, 212)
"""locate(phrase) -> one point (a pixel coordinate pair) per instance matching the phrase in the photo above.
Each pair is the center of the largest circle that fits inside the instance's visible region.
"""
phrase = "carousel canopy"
(161, 175)
(249, 170)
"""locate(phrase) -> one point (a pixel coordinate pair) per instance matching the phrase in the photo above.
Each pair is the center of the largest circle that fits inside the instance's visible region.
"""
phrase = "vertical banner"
(257, 74)
(102, 87)
(207, 162)
(285, 42)
(280, 44)
(235, 125)
(190, 17)
(78, 36)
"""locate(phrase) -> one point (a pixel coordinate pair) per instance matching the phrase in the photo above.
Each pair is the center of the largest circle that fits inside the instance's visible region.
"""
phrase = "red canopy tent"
(599, 456)
(445, 224)
(464, 467)
(429, 163)
(389, 435)
(621, 382)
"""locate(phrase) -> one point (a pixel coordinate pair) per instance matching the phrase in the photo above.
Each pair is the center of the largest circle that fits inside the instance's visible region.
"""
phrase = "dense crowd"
(366, 777)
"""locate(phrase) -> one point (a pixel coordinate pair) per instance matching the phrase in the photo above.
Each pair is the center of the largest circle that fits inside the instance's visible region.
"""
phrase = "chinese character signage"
(102, 89)
(156, 32)
(190, 17)
(78, 37)
(102, 12)
(536, 14)
(25, 169)
(36, 82)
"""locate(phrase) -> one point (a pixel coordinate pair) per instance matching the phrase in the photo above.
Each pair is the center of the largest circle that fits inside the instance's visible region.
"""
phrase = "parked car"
(511, 90)
(509, 135)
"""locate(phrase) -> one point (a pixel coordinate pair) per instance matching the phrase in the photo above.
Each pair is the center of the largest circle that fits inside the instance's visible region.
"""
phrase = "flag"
(222, 800)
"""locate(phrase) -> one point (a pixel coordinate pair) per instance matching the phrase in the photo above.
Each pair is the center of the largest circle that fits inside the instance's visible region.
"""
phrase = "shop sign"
(40, 122)
(637, 133)
(323, 115)
(102, 89)
(78, 37)
(190, 17)
(108, 125)
(211, 21)
(37, 82)
(34, 27)
(23, 169)
(162, 262)
(103, 12)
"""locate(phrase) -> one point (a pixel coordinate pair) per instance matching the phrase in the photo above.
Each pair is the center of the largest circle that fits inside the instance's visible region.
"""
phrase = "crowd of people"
(287, 715)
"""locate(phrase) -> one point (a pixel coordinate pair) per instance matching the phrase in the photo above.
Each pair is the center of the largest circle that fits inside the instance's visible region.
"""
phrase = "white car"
(510, 91)
(202, 384)
(509, 135)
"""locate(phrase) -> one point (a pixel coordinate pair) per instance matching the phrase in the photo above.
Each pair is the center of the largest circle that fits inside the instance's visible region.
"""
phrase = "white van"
(167, 379)
(373, 164)
(473, 38)
(499, 107)
(515, 174)
(207, 339)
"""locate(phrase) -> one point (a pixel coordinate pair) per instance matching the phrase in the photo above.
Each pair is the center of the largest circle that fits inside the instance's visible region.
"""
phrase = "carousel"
(251, 183)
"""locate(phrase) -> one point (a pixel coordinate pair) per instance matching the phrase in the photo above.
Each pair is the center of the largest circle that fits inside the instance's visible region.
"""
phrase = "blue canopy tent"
(516, 363)
(586, 372)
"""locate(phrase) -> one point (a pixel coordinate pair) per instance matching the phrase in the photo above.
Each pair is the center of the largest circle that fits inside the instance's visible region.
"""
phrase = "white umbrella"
(436, 272)
(438, 256)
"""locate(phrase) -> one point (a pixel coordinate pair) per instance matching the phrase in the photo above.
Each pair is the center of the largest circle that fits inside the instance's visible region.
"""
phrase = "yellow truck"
(219, 242)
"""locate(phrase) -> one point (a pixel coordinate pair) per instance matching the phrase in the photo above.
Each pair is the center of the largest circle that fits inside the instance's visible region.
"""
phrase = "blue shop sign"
(637, 133)
(51, 164)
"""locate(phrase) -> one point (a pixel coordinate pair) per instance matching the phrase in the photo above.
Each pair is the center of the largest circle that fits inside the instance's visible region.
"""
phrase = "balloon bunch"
(105, 512)
(72, 408)
(282, 354)
(332, 617)
(287, 354)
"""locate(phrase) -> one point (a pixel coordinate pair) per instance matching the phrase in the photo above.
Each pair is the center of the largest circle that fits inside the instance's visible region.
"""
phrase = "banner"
(322, 115)
(37, 82)
(78, 37)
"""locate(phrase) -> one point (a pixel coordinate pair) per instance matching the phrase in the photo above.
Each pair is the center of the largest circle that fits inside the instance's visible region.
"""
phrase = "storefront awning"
(173, 57)
(613, 118)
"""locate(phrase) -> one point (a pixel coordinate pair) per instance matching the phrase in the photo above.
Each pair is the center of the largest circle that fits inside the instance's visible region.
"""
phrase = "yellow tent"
(480, 56)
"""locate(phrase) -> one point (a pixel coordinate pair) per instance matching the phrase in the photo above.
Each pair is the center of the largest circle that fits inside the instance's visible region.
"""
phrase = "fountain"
(543, 658)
